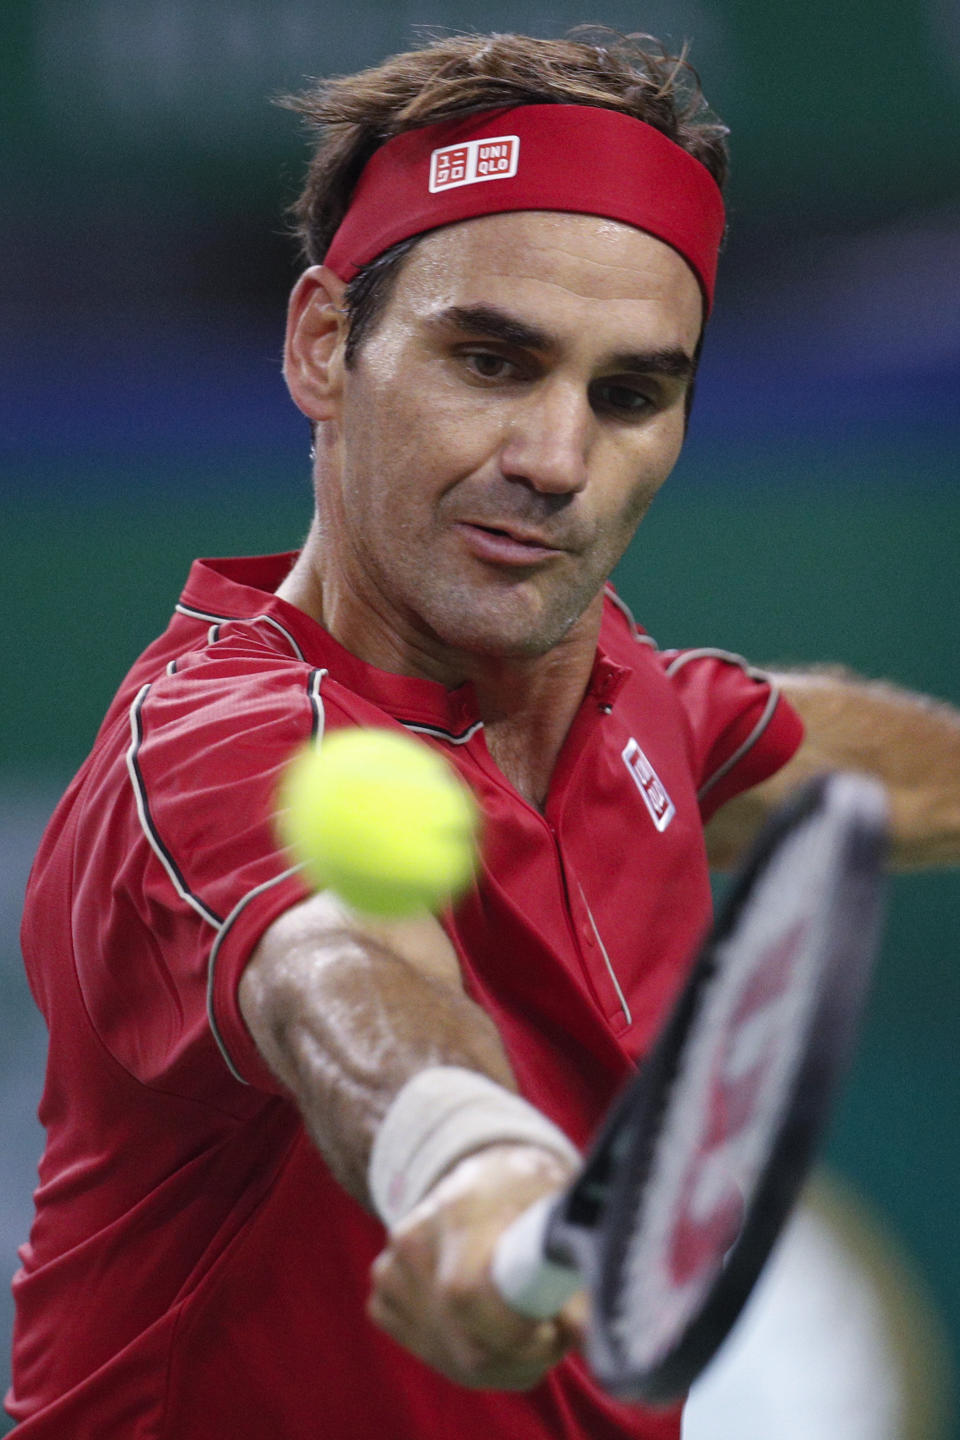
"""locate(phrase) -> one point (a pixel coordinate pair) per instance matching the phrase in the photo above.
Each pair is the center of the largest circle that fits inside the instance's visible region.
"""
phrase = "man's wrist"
(441, 1115)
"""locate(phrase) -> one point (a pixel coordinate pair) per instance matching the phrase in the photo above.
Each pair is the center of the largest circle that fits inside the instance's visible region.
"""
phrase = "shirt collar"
(242, 588)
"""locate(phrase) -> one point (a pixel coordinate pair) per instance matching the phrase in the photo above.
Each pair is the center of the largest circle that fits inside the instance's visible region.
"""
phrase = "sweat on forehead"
(576, 158)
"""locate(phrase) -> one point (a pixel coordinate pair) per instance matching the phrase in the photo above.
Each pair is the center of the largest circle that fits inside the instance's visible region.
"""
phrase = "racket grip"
(529, 1281)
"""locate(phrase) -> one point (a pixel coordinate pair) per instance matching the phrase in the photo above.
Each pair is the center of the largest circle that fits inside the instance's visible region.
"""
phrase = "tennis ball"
(381, 819)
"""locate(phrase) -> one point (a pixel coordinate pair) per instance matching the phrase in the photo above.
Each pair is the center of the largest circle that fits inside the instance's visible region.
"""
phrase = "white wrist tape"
(440, 1115)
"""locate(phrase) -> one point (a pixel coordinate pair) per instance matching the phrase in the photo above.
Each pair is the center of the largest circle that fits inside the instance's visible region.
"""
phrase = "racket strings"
(690, 1184)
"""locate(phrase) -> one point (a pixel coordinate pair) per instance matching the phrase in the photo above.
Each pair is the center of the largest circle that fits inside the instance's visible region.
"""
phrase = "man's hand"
(432, 1287)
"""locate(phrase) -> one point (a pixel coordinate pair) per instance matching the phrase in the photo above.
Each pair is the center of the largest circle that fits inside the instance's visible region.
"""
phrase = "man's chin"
(523, 621)
(499, 639)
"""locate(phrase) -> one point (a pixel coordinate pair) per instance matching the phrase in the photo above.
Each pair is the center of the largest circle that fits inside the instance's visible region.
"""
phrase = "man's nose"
(548, 442)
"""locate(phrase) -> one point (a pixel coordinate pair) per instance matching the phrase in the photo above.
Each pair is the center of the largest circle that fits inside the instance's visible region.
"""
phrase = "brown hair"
(352, 115)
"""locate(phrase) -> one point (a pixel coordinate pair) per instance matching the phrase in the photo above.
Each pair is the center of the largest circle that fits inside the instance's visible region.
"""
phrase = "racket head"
(737, 1089)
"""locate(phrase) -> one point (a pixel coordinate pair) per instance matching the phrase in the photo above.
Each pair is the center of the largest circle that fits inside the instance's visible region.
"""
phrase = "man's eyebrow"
(671, 361)
(492, 323)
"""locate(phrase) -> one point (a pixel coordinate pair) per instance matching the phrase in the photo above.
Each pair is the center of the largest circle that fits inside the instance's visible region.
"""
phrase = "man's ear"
(315, 341)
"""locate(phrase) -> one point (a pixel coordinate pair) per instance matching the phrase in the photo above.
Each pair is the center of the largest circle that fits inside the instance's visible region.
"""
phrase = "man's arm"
(345, 1014)
(910, 742)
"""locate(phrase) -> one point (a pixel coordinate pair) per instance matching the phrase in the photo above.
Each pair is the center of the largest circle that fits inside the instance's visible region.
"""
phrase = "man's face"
(502, 430)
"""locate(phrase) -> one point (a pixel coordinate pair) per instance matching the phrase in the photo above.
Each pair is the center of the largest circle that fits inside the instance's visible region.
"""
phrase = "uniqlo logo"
(449, 167)
(648, 782)
(477, 160)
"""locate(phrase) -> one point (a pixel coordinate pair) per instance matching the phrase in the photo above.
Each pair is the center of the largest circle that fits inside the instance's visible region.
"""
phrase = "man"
(512, 247)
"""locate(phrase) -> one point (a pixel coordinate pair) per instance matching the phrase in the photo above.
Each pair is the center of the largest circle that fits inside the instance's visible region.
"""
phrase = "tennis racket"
(699, 1162)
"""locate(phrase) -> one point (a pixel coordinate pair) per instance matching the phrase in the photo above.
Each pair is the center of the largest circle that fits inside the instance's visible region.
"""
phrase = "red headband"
(578, 158)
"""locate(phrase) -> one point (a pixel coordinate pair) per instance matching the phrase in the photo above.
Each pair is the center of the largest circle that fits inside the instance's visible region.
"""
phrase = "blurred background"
(815, 514)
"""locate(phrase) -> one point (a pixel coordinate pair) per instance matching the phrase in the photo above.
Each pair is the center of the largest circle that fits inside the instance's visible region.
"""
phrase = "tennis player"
(282, 1142)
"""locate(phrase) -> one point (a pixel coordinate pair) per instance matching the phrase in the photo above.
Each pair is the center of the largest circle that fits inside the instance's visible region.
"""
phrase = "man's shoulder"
(622, 637)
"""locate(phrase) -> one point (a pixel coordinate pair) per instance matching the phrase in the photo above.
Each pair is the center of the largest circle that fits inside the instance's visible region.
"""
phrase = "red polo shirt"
(193, 1270)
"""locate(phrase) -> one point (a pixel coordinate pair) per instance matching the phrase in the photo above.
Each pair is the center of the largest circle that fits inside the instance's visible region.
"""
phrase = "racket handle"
(529, 1281)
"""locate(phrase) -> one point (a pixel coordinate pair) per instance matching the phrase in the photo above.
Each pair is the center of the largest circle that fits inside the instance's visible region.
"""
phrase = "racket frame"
(586, 1228)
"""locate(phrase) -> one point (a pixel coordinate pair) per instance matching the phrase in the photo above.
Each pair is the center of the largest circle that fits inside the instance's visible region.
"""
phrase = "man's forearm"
(344, 1022)
(357, 1024)
(910, 742)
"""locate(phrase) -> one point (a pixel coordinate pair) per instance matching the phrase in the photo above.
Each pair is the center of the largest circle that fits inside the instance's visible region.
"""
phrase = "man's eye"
(622, 398)
(488, 365)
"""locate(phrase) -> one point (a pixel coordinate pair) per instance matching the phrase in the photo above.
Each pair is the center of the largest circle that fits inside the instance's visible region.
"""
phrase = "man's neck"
(528, 707)
(527, 704)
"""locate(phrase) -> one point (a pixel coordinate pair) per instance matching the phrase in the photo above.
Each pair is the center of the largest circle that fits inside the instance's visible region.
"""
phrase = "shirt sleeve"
(181, 871)
(742, 729)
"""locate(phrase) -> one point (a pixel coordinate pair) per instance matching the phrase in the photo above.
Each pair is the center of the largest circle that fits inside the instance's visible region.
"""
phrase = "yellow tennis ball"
(380, 818)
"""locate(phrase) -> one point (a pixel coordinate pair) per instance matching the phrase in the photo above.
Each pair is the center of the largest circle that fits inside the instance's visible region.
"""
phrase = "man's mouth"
(506, 545)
